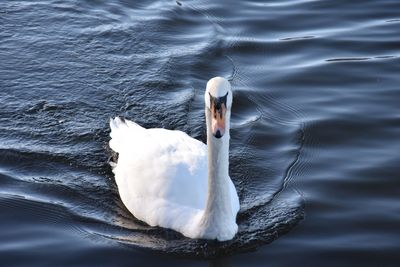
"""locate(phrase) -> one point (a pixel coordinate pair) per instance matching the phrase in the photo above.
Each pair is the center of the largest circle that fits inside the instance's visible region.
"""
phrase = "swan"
(168, 179)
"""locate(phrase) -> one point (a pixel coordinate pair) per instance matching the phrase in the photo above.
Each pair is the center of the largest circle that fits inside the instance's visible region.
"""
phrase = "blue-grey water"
(314, 139)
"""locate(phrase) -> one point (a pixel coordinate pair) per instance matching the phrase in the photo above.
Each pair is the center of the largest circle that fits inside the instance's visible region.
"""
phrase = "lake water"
(314, 139)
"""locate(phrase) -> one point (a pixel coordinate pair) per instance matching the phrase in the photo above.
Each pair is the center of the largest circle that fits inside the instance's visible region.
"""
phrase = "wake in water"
(95, 206)
(54, 151)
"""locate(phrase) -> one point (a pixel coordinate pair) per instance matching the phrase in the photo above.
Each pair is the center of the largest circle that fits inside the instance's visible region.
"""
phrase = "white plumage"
(163, 178)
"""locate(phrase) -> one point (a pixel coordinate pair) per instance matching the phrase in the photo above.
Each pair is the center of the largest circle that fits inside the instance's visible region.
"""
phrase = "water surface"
(315, 124)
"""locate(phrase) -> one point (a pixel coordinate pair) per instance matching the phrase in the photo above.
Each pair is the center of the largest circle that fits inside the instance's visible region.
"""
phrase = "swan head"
(218, 100)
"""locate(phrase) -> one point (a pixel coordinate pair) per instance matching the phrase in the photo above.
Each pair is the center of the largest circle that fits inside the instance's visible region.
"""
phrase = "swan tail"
(120, 130)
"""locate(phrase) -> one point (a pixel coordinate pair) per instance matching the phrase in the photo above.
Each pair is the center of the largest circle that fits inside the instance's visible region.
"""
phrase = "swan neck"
(218, 206)
(218, 158)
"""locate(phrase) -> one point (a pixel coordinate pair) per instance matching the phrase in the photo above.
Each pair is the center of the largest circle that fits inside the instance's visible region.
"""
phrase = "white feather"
(162, 178)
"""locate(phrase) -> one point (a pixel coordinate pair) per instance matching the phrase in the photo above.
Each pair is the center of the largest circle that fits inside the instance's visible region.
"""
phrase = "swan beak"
(218, 111)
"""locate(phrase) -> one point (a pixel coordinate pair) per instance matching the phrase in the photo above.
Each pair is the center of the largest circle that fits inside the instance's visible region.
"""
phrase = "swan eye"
(222, 99)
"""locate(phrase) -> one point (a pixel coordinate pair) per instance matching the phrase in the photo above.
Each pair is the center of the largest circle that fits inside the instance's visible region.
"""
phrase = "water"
(314, 150)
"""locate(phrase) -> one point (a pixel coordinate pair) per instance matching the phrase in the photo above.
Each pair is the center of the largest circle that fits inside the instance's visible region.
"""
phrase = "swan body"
(169, 179)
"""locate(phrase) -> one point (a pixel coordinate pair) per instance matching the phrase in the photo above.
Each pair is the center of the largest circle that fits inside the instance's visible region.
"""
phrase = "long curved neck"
(218, 206)
(218, 165)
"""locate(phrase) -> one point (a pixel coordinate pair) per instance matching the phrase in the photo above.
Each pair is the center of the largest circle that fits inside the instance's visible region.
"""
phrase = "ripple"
(297, 38)
(340, 59)
(304, 131)
(393, 20)
(348, 59)
(87, 205)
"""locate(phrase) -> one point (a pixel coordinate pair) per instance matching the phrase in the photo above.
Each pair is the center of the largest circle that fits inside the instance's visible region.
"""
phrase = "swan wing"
(161, 174)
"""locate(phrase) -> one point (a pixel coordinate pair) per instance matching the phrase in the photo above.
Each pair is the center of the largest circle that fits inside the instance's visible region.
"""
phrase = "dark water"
(315, 126)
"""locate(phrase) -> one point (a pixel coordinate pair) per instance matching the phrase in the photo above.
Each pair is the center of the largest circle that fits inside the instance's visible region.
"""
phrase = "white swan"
(166, 178)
